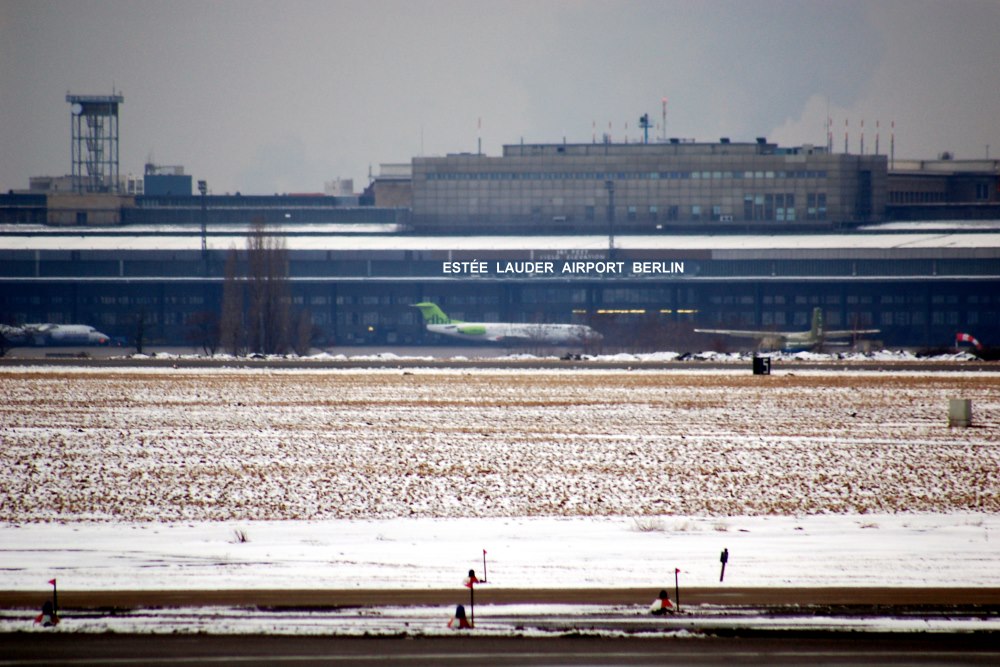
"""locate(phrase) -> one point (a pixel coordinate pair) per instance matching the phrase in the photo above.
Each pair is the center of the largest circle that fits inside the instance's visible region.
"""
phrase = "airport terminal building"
(645, 188)
(626, 238)
(642, 292)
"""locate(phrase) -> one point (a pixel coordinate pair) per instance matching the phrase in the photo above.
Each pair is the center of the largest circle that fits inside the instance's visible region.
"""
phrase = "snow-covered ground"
(128, 478)
(476, 352)
(898, 550)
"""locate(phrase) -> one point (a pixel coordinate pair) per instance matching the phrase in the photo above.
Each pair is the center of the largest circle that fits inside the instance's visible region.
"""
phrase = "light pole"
(203, 189)
(610, 185)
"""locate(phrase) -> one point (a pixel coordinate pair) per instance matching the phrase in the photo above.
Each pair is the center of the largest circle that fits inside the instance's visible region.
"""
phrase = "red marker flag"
(52, 581)
(967, 338)
(470, 581)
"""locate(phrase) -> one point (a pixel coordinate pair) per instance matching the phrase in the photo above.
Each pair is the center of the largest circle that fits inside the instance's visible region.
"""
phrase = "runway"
(36, 650)
(531, 613)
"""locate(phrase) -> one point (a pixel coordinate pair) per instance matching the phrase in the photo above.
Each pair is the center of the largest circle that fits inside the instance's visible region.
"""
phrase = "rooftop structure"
(94, 143)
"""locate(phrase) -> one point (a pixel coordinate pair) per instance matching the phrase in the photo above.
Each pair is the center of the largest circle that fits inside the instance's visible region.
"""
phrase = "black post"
(723, 558)
(484, 566)
(471, 582)
(55, 601)
(677, 587)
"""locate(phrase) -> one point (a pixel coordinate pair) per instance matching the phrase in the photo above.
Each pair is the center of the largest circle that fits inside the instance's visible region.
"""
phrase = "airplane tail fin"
(432, 314)
(816, 330)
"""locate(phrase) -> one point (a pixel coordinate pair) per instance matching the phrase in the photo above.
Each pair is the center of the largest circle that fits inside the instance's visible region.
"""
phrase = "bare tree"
(304, 332)
(203, 331)
(232, 334)
(256, 313)
(139, 322)
(268, 315)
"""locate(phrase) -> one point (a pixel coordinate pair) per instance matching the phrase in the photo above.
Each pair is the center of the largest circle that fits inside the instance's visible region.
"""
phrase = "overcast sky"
(281, 95)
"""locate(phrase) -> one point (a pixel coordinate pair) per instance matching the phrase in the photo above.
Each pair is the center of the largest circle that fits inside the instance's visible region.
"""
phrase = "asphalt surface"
(468, 649)
(716, 613)
(862, 598)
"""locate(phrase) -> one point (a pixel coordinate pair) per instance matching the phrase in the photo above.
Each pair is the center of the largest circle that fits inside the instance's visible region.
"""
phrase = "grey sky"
(268, 96)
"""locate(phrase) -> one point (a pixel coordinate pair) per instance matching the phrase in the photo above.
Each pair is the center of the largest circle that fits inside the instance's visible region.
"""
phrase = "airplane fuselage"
(438, 322)
(498, 332)
(817, 336)
(54, 334)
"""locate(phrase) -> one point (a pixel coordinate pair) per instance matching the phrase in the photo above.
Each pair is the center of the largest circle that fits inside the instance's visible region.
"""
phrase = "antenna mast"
(644, 124)
(664, 138)
(892, 146)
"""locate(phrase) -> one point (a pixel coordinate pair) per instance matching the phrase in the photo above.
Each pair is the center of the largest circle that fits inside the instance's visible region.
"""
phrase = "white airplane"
(816, 336)
(496, 332)
(53, 334)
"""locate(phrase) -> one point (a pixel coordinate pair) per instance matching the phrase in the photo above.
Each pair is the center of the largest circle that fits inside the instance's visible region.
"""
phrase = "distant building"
(944, 188)
(87, 209)
(135, 185)
(53, 200)
(47, 184)
(160, 180)
(678, 186)
(647, 187)
(393, 186)
(339, 187)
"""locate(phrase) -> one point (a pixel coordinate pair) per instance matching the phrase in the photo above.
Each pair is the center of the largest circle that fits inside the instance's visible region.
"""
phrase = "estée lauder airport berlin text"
(566, 267)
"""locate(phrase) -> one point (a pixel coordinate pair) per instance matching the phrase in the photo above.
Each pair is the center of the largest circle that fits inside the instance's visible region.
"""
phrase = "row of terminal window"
(619, 175)
(922, 197)
(779, 206)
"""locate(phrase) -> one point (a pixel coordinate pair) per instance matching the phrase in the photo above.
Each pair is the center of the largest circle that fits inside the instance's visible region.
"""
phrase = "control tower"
(94, 124)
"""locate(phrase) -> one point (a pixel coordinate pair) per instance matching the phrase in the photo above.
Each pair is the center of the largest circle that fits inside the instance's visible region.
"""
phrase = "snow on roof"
(749, 242)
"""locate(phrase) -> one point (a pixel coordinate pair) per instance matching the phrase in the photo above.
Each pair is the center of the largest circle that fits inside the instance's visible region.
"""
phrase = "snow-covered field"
(146, 478)
(191, 445)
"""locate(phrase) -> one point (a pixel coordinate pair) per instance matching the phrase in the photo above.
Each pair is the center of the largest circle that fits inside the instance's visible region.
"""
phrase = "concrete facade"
(86, 209)
(393, 187)
(945, 182)
(647, 187)
(944, 189)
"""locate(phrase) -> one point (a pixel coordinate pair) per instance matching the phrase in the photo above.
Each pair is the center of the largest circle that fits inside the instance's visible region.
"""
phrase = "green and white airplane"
(816, 336)
(505, 332)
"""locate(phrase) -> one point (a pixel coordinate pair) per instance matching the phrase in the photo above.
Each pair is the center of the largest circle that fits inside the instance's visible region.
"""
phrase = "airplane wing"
(744, 334)
(853, 332)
